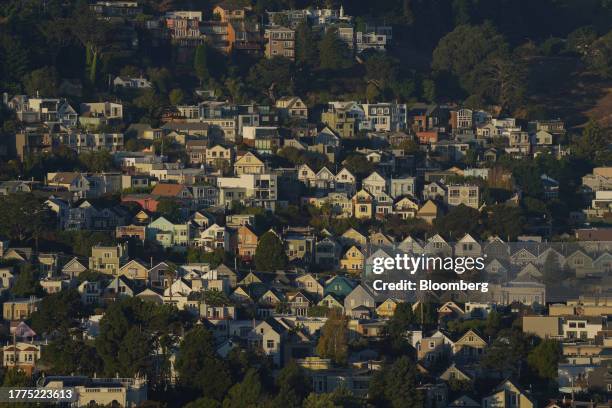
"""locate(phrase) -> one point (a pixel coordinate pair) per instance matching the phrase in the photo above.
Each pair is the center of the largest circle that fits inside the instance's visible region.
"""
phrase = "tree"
(306, 52)
(41, 82)
(333, 342)
(24, 216)
(204, 402)
(97, 161)
(463, 52)
(198, 366)
(600, 58)
(67, 356)
(58, 312)
(94, 36)
(169, 208)
(333, 52)
(270, 254)
(397, 325)
(246, 393)
(396, 386)
(593, 143)
(272, 76)
(320, 401)
(544, 359)
(176, 96)
(200, 63)
(293, 386)
(27, 283)
(459, 221)
(359, 165)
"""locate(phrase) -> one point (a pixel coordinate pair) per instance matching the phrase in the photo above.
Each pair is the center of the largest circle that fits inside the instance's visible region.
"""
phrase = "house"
(134, 270)
(298, 302)
(345, 182)
(338, 286)
(21, 356)
(330, 301)
(7, 278)
(470, 346)
(168, 190)
(280, 41)
(248, 163)
(405, 208)
(168, 234)
(363, 204)
(467, 247)
(435, 190)
(90, 292)
(125, 392)
(309, 284)
(428, 212)
(117, 288)
(292, 107)
(387, 308)
(213, 237)
(306, 175)
(269, 336)
(353, 237)
(19, 309)
(246, 243)
(219, 157)
(353, 260)
(132, 82)
(468, 195)
(108, 259)
(327, 253)
(508, 395)
(73, 268)
(454, 373)
(374, 184)
(361, 295)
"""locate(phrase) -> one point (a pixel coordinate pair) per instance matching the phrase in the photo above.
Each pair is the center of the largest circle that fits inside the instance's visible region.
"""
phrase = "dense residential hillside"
(307, 203)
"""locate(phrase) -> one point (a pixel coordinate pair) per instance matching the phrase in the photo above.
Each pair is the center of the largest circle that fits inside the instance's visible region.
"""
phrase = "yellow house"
(470, 345)
(353, 237)
(508, 395)
(134, 270)
(249, 164)
(353, 260)
(363, 204)
(428, 212)
(387, 308)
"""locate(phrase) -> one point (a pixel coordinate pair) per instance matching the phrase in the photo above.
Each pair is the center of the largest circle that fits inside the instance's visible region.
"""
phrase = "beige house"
(353, 260)
(249, 164)
(134, 270)
(107, 259)
(19, 309)
(508, 395)
(467, 195)
(21, 356)
(292, 107)
(428, 212)
(363, 204)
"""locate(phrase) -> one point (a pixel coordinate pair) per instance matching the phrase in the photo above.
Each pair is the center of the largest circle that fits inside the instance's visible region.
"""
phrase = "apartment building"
(467, 195)
(258, 189)
(280, 41)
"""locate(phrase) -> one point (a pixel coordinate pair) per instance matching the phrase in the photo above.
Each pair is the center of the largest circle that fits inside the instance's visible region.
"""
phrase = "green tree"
(459, 221)
(41, 82)
(396, 386)
(198, 366)
(270, 254)
(67, 356)
(293, 386)
(246, 393)
(306, 52)
(397, 325)
(24, 216)
(204, 402)
(544, 359)
(333, 342)
(593, 143)
(176, 96)
(552, 271)
(58, 312)
(320, 401)
(169, 208)
(27, 283)
(97, 162)
(200, 63)
(333, 52)
(463, 52)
